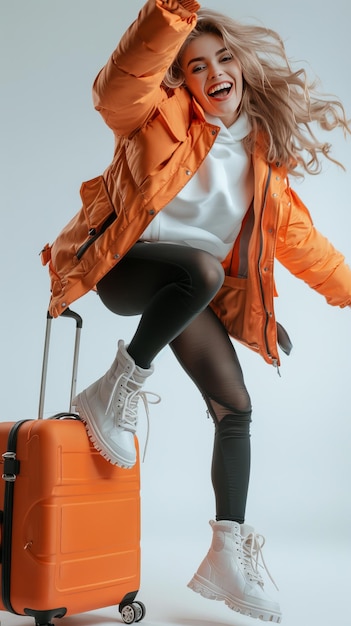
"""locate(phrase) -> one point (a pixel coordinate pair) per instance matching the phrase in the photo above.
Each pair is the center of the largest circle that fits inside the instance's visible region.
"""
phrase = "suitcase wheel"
(133, 612)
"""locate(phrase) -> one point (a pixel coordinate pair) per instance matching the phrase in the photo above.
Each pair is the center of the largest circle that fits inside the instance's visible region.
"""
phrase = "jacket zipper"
(274, 361)
(94, 235)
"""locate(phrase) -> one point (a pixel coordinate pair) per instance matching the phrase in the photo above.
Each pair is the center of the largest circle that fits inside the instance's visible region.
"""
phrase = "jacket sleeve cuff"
(177, 6)
(190, 5)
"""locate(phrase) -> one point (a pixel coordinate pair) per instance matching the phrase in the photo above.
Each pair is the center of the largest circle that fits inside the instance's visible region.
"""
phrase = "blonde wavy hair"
(279, 101)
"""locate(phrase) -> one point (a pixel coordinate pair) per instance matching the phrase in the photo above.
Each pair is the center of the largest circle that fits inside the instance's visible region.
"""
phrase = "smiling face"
(213, 76)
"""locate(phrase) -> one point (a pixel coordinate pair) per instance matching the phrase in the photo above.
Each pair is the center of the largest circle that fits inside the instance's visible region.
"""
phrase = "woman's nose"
(214, 71)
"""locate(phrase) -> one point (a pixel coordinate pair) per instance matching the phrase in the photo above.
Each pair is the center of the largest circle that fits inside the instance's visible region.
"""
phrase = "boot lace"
(252, 546)
(124, 400)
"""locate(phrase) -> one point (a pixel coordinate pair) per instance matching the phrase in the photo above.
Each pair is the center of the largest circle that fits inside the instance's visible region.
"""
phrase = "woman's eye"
(198, 68)
(227, 57)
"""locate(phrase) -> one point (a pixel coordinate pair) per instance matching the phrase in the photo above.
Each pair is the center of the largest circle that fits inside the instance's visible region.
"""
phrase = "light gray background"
(52, 140)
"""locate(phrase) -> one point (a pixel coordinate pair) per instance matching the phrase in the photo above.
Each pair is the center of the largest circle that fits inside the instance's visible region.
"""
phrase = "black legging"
(170, 286)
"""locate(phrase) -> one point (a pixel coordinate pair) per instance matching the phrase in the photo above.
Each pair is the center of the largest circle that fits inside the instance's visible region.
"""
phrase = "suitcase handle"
(79, 323)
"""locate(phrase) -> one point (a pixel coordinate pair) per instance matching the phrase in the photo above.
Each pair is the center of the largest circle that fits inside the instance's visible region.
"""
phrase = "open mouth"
(220, 91)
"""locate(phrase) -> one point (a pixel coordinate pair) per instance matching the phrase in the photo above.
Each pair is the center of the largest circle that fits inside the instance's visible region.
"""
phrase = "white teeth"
(219, 87)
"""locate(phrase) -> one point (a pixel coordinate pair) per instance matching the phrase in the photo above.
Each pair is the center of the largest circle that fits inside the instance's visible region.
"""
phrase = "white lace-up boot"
(230, 573)
(109, 408)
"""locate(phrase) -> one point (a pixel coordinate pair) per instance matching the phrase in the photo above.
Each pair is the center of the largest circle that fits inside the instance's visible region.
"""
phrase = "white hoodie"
(208, 211)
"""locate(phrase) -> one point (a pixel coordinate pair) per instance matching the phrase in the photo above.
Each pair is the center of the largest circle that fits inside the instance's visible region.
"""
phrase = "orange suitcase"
(70, 519)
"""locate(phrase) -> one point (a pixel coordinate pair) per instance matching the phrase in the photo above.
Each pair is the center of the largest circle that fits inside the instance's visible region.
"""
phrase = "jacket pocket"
(149, 150)
(97, 209)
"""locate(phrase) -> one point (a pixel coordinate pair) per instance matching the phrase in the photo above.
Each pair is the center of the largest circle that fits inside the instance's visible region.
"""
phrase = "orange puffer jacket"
(162, 137)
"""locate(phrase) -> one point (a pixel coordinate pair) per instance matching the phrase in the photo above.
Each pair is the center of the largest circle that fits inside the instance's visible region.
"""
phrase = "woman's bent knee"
(209, 272)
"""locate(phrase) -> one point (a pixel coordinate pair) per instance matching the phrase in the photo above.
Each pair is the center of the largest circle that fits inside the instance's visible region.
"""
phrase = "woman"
(183, 228)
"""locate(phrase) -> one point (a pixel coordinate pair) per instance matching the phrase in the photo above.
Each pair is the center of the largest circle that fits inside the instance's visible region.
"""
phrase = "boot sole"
(82, 408)
(211, 592)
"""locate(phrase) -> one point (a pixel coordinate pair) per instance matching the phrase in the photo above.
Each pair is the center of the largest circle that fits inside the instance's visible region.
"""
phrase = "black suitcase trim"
(11, 470)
